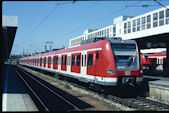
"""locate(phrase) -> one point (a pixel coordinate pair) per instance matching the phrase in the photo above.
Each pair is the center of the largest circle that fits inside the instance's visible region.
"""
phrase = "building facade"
(129, 27)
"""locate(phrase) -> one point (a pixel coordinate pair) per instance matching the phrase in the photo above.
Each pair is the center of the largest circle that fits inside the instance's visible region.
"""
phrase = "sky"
(60, 21)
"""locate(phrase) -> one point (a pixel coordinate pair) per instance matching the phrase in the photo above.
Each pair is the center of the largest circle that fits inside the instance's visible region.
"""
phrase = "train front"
(127, 63)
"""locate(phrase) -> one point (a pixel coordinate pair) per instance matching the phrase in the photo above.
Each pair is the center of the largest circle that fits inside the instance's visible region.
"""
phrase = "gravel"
(97, 101)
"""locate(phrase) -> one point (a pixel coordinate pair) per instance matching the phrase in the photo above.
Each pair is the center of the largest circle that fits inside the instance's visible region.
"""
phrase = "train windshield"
(126, 56)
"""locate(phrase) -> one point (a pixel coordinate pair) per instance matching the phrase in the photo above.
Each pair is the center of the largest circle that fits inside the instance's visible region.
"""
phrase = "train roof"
(157, 54)
(112, 40)
(96, 44)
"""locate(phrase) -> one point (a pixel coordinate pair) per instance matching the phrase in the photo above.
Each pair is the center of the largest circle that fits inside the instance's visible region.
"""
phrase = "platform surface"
(157, 80)
(14, 95)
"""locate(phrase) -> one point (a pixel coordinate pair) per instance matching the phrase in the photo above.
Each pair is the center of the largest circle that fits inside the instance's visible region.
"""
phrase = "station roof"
(9, 27)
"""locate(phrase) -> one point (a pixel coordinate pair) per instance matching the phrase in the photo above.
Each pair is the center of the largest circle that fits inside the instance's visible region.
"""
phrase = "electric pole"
(49, 45)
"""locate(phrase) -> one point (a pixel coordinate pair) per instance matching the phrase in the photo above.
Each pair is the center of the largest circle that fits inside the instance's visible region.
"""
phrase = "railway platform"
(14, 95)
(158, 87)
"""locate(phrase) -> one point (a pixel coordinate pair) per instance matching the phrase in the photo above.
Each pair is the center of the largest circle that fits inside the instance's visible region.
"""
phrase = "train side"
(153, 61)
(104, 62)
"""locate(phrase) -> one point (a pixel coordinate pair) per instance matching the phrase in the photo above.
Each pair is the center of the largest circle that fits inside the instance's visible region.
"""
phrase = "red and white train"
(109, 62)
(153, 61)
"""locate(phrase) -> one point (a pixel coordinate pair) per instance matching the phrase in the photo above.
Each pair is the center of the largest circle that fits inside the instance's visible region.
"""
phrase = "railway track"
(46, 97)
(138, 103)
(135, 102)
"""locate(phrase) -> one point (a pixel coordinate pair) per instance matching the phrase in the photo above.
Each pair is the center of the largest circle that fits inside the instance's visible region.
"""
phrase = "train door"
(41, 62)
(64, 62)
(75, 62)
(49, 62)
(160, 59)
(44, 65)
(83, 63)
(55, 62)
(91, 63)
(159, 65)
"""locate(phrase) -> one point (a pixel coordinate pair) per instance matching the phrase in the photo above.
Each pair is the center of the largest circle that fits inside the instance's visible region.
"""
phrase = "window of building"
(129, 27)
(73, 60)
(134, 25)
(167, 16)
(138, 24)
(148, 21)
(104, 32)
(143, 23)
(96, 34)
(90, 60)
(107, 30)
(114, 31)
(161, 18)
(78, 60)
(125, 28)
(155, 19)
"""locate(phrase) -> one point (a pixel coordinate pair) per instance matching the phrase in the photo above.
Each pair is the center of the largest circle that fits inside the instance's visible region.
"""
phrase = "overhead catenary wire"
(98, 19)
(31, 22)
(161, 4)
(45, 18)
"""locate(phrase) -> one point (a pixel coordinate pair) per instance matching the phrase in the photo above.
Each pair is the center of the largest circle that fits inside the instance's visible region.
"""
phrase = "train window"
(90, 60)
(82, 60)
(57, 60)
(97, 55)
(44, 60)
(78, 60)
(73, 60)
(54, 60)
(85, 61)
(49, 60)
(65, 60)
(40, 61)
(62, 60)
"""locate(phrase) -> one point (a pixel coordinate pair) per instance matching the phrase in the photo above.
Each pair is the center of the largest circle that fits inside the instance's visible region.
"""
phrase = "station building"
(129, 27)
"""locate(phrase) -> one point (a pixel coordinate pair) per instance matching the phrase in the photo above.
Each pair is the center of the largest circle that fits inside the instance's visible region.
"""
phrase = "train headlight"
(141, 71)
(110, 72)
